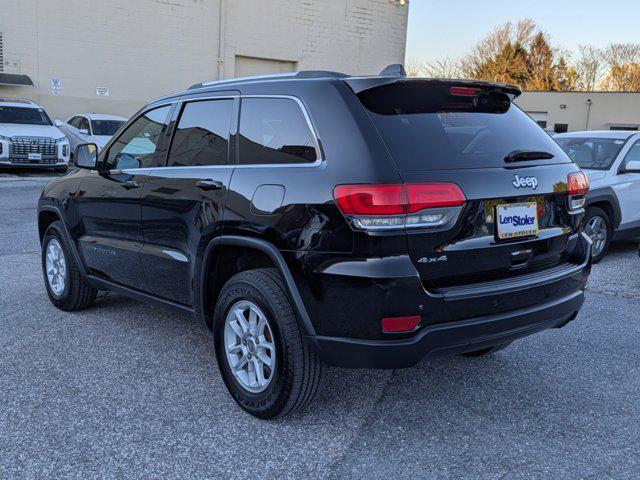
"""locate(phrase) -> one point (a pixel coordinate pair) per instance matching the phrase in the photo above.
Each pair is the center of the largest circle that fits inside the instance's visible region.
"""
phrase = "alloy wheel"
(249, 346)
(597, 231)
(56, 265)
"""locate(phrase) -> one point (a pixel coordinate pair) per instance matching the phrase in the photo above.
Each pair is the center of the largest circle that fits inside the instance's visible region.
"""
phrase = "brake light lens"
(371, 199)
(578, 187)
(578, 184)
(466, 91)
(376, 207)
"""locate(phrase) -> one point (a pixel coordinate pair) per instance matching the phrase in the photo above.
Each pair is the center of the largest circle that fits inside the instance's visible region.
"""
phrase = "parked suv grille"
(26, 145)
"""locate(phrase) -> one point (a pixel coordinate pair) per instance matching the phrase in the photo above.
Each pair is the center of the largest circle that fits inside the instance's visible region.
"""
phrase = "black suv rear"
(365, 222)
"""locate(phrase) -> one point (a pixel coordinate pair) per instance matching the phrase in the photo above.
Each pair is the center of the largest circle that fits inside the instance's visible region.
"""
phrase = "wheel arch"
(47, 214)
(253, 253)
(605, 198)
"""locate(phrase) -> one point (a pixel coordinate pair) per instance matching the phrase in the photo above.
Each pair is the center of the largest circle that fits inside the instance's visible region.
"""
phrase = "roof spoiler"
(360, 84)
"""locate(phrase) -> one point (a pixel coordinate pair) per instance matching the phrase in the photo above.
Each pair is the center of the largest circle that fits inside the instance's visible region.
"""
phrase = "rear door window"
(202, 135)
(426, 127)
(275, 131)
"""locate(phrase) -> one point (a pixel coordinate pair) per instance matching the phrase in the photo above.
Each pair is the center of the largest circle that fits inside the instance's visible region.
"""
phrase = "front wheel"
(267, 366)
(67, 288)
(597, 226)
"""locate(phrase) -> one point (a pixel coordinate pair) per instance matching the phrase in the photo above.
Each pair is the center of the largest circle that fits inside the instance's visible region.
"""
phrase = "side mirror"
(83, 131)
(632, 166)
(58, 123)
(86, 156)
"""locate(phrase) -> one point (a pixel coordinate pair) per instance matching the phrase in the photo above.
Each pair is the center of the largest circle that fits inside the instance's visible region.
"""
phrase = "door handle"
(130, 185)
(208, 185)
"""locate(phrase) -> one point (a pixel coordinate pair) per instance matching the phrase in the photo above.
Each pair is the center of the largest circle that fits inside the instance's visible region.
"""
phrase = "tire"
(485, 351)
(72, 292)
(598, 218)
(294, 381)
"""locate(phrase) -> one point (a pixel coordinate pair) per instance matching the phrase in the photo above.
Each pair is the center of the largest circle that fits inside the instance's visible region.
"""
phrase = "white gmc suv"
(29, 139)
(611, 159)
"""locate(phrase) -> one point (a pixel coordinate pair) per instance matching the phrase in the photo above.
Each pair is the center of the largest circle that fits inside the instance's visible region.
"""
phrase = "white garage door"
(249, 66)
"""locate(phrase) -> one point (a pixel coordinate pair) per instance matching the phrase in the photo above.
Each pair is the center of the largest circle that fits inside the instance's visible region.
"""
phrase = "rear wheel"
(266, 364)
(67, 288)
(597, 226)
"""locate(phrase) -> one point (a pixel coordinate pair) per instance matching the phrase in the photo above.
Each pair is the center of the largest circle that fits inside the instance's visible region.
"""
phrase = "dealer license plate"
(34, 156)
(517, 220)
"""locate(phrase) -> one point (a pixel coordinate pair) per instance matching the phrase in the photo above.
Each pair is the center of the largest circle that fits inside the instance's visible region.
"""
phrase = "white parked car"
(28, 138)
(611, 159)
(90, 128)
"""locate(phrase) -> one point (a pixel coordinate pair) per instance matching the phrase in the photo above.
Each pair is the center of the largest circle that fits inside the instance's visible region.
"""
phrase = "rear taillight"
(578, 184)
(394, 206)
(577, 188)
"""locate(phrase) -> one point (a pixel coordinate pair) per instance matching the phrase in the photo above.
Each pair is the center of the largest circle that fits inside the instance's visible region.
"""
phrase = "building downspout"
(223, 15)
(589, 103)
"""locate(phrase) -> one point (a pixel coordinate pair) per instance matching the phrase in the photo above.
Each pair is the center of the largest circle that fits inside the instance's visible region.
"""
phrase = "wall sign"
(102, 91)
(56, 86)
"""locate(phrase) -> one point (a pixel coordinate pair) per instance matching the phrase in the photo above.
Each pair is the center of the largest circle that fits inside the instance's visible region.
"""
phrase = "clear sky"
(440, 28)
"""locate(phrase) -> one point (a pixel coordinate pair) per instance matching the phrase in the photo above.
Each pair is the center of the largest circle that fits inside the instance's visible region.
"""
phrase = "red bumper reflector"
(400, 324)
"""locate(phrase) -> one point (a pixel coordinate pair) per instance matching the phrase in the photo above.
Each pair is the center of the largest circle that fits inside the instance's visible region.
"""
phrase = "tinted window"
(427, 127)
(27, 116)
(592, 153)
(105, 127)
(74, 122)
(275, 131)
(136, 146)
(202, 136)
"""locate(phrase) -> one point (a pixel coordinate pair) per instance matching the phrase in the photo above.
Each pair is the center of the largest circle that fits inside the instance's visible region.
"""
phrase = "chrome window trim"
(301, 105)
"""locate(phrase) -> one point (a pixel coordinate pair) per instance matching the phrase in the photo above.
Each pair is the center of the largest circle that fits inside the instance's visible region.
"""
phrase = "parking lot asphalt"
(130, 390)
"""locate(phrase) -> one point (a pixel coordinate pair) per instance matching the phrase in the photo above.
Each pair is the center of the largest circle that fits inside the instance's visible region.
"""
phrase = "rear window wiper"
(526, 155)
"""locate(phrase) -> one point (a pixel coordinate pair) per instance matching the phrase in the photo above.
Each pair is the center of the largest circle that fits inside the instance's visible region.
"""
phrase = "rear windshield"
(592, 153)
(425, 127)
(26, 116)
(105, 127)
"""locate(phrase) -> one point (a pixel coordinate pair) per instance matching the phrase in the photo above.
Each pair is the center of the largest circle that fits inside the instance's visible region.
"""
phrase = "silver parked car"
(90, 128)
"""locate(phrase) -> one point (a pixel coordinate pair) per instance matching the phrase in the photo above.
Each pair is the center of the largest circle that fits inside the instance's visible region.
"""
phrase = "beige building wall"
(583, 110)
(141, 49)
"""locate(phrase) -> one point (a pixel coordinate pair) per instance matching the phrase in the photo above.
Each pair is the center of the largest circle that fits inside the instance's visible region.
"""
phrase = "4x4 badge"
(524, 182)
(443, 258)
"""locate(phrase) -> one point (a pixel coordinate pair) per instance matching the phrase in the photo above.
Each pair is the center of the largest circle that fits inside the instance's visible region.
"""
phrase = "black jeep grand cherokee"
(312, 218)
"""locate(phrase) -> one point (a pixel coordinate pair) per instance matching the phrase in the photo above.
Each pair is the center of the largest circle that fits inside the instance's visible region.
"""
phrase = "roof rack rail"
(20, 100)
(272, 76)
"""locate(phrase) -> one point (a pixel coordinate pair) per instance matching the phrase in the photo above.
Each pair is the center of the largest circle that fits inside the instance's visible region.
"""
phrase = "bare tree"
(623, 64)
(499, 55)
(589, 67)
(446, 67)
(414, 68)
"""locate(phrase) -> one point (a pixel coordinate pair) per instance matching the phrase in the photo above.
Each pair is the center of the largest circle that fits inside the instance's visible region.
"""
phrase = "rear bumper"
(448, 338)
(356, 296)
